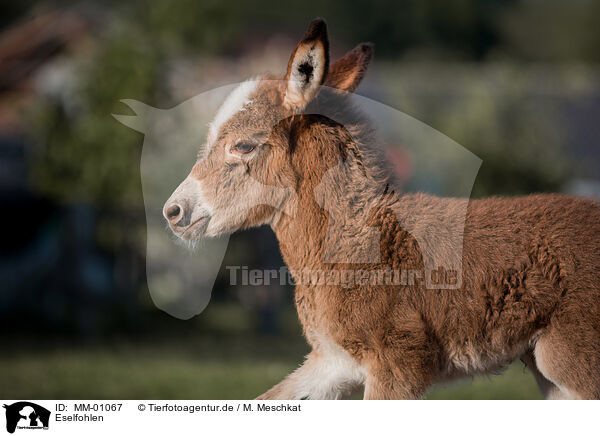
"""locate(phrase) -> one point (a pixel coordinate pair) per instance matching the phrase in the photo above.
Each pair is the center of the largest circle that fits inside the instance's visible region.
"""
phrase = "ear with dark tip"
(308, 66)
(347, 73)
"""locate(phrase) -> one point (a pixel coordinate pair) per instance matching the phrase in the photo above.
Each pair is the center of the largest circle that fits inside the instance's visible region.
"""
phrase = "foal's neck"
(334, 221)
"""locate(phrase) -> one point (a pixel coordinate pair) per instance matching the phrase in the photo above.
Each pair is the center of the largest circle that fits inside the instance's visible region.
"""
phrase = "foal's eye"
(243, 147)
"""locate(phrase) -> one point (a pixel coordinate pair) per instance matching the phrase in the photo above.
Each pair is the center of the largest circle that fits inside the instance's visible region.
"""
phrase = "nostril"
(173, 213)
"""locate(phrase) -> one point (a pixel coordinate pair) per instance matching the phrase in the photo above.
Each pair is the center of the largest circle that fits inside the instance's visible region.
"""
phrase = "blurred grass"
(216, 368)
(209, 368)
(516, 383)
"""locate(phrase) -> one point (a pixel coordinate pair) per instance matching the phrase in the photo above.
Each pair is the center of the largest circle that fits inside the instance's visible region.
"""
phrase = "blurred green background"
(516, 82)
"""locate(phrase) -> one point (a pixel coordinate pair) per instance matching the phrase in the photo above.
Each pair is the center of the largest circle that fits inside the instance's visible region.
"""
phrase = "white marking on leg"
(332, 375)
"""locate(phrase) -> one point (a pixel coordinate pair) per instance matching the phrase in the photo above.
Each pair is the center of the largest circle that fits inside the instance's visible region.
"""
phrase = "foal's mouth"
(199, 224)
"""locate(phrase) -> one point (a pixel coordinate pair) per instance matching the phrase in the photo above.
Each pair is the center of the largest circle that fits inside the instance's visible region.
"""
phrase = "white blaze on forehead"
(234, 103)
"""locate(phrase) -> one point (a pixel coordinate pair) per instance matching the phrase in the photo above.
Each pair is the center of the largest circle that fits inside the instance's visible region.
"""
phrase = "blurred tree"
(82, 154)
(516, 119)
(464, 28)
(552, 30)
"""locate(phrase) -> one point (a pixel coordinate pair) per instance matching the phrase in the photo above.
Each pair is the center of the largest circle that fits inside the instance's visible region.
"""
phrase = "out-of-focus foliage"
(84, 155)
(515, 118)
(81, 155)
(552, 30)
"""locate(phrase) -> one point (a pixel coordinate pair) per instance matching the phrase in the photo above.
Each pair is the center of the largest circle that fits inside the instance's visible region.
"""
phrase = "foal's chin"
(192, 233)
(207, 230)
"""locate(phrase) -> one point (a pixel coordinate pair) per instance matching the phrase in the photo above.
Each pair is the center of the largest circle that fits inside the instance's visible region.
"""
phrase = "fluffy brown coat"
(530, 266)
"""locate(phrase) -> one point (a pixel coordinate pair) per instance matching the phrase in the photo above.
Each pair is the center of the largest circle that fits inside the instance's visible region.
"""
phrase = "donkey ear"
(347, 73)
(308, 66)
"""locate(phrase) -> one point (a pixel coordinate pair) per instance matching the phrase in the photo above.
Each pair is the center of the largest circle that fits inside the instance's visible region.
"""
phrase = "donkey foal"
(530, 266)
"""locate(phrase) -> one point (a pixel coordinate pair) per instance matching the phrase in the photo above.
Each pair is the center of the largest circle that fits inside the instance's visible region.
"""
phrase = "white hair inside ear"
(306, 73)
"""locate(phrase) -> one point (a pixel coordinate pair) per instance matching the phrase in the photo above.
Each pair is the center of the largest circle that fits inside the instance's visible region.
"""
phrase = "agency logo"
(26, 415)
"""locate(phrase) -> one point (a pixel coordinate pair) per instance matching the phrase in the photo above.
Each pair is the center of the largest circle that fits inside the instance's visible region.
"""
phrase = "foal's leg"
(548, 389)
(319, 378)
(569, 356)
(389, 385)
(400, 375)
(405, 364)
(377, 389)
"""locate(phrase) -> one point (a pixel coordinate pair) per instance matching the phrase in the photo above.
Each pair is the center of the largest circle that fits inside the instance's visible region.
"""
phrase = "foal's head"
(263, 142)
